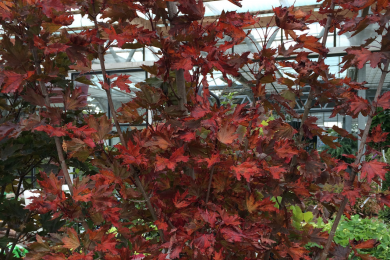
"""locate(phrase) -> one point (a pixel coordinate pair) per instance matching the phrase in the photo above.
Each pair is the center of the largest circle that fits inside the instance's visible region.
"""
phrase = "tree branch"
(57, 141)
(357, 160)
(180, 81)
(209, 186)
(119, 130)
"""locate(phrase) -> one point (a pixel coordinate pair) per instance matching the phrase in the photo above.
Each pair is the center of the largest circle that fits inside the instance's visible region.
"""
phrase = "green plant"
(347, 146)
(363, 229)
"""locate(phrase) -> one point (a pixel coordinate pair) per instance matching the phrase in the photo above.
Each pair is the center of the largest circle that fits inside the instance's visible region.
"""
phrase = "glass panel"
(120, 97)
(97, 98)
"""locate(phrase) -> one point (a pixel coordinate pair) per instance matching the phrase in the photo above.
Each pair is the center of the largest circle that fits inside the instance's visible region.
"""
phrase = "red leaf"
(363, 55)
(284, 149)
(359, 105)
(72, 241)
(251, 203)
(51, 131)
(227, 134)
(366, 244)
(55, 48)
(162, 163)
(246, 169)
(180, 200)
(231, 235)
(183, 63)
(384, 100)
(215, 158)
(74, 99)
(276, 171)
(13, 82)
(161, 224)
(209, 217)
(204, 242)
(372, 169)
(377, 135)
(312, 43)
(178, 156)
(121, 82)
(351, 194)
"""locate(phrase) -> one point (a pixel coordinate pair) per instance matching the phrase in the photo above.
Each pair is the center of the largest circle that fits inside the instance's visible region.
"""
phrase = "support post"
(362, 120)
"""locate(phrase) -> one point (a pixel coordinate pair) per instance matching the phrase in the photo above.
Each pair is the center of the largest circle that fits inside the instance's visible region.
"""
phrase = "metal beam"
(116, 57)
(131, 54)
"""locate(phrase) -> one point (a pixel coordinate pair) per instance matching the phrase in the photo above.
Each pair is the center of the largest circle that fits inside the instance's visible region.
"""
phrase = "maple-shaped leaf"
(359, 105)
(296, 253)
(284, 148)
(102, 125)
(161, 224)
(209, 217)
(246, 169)
(34, 98)
(162, 163)
(55, 256)
(228, 219)
(351, 194)
(188, 136)
(108, 244)
(72, 240)
(80, 190)
(74, 99)
(122, 82)
(203, 242)
(328, 140)
(251, 203)
(362, 56)
(199, 112)
(341, 253)
(51, 184)
(55, 47)
(286, 21)
(343, 133)
(13, 82)
(215, 158)
(267, 205)
(177, 156)
(367, 244)
(51, 131)
(181, 201)
(226, 134)
(372, 169)
(231, 235)
(312, 43)
(218, 255)
(276, 171)
(384, 100)
(183, 63)
(81, 256)
(377, 135)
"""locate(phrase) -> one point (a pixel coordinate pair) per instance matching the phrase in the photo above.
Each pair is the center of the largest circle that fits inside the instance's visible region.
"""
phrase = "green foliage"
(363, 229)
(348, 146)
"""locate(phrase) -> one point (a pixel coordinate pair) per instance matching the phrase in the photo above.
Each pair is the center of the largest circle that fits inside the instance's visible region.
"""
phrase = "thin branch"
(209, 186)
(57, 141)
(353, 174)
(119, 130)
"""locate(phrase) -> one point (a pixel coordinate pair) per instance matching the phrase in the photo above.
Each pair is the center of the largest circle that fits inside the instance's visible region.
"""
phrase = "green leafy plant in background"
(363, 229)
(347, 146)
